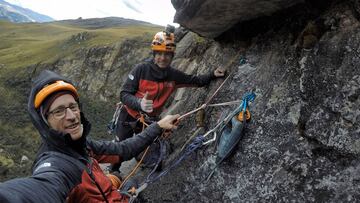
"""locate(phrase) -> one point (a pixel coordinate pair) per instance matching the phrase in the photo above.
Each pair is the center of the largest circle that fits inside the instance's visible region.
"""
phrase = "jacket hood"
(54, 140)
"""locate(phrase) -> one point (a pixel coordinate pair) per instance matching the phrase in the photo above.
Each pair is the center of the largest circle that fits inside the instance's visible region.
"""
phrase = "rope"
(159, 160)
(196, 144)
(142, 120)
(207, 102)
(225, 103)
(135, 168)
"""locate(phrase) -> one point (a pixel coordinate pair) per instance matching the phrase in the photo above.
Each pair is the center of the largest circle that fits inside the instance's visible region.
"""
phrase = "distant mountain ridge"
(18, 14)
(108, 22)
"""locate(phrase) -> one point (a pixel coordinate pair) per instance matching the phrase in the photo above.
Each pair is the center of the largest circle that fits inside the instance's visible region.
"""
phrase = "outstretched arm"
(131, 147)
(183, 79)
(48, 184)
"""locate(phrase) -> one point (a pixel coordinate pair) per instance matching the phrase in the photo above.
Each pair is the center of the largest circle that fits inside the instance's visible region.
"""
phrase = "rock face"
(302, 144)
(210, 18)
(100, 71)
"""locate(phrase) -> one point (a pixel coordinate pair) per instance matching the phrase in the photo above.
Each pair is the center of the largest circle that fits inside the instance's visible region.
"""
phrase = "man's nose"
(69, 114)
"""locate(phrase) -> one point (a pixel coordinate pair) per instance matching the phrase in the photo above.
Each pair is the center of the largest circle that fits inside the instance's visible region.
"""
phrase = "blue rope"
(196, 144)
(248, 97)
(161, 157)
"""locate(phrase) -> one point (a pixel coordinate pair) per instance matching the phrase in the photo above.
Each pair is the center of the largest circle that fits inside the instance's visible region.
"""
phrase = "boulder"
(210, 18)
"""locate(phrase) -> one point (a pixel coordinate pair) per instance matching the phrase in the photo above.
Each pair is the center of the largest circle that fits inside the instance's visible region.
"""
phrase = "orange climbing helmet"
(165, 40)
(54, 87)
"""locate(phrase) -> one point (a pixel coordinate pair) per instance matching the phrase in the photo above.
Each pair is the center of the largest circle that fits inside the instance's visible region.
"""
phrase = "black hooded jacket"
(160, 83)
(62, 166)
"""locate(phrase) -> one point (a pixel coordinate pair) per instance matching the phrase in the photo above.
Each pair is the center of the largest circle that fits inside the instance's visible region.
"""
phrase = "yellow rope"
(142, 120)
(135, 168)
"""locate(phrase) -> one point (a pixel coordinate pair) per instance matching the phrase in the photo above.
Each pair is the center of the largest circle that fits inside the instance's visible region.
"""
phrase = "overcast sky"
(160, 12)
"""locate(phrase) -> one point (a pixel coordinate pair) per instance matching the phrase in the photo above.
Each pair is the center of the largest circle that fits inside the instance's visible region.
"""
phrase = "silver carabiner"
(211, 140)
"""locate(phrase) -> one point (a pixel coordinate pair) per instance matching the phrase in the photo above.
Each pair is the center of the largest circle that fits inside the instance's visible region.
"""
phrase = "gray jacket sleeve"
(128, 148)
(51, 181)
(183, 79)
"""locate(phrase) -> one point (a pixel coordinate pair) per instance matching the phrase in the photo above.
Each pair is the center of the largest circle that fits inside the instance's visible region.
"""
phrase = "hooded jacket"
(67, 170)
(160, 83)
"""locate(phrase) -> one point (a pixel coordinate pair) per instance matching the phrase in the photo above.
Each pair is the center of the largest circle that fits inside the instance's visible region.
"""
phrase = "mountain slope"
(18, 14)
(97, 23)
(35, 43)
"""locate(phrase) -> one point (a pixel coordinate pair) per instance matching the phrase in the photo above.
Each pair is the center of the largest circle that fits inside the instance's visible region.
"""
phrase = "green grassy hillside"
(25, 46)
(31, 43)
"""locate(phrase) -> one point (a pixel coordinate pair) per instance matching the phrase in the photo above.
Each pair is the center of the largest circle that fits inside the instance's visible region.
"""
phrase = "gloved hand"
(169, 122)
(219, 72)
(146, 104)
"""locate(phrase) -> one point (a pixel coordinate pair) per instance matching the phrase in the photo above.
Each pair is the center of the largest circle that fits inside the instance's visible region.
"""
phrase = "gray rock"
(24, 159)
(210, 18)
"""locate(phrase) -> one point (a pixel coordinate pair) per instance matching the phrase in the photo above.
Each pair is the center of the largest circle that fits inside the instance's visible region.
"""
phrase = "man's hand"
(219, 72)
(146, 104)
(168, 122)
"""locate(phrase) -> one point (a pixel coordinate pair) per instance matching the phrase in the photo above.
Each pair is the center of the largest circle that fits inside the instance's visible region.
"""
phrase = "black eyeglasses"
(60, 112)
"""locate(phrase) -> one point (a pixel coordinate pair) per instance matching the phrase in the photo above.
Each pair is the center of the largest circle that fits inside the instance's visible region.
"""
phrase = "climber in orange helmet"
(150, 84)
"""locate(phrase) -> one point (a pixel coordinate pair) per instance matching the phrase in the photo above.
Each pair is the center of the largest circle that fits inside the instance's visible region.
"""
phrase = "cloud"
(144, 10)
(103, 12)
(131, 6)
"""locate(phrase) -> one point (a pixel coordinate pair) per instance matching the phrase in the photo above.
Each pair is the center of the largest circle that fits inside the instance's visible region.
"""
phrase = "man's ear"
(43, 115)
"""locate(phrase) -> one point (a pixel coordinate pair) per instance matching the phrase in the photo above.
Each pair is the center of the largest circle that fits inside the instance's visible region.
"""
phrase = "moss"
(200, 39)
(6, 162)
